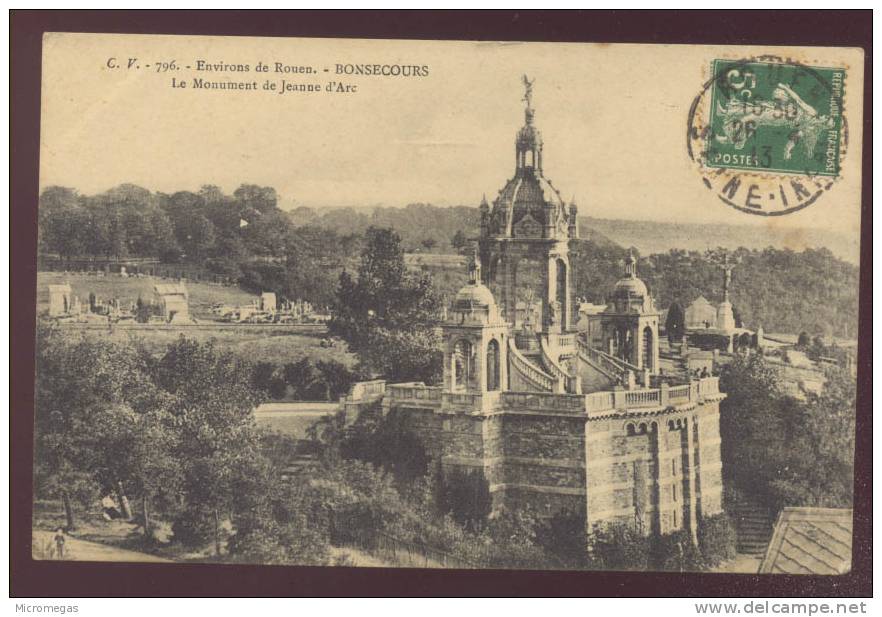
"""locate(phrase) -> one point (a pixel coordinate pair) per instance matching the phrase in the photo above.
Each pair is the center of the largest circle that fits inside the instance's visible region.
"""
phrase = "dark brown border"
(48, 579)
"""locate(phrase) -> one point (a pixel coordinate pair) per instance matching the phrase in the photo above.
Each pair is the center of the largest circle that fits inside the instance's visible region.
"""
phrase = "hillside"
(422, 227)
(659, 237)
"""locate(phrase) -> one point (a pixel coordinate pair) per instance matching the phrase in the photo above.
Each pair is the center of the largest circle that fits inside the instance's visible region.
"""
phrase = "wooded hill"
(300, 253)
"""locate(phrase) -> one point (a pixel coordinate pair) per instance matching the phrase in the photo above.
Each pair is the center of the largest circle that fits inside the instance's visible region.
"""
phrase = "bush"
(465, 495)
(716, 538)
(388, 443)
(194, 526)
(675, 552)
(564, 539)
(618, 547)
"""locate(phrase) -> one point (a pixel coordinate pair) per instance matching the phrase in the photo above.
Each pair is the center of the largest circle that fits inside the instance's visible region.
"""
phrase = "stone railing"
(680, 392)
(620, 400)
(602, 362)
(665, 396)
(414, 392)
(564, 381)
(708, 386)
(467, 400)
(614, 368)
(366, 389)
(526, 369)
(642, 398)
(609, 362)
(564, 341)
(600, 401)
(541, 401)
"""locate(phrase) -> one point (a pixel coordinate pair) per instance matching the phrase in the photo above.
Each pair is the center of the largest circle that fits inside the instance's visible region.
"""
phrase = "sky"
(613, 118)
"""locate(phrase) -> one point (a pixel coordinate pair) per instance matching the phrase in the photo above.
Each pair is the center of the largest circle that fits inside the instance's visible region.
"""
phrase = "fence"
(413, 555)
(380, 544)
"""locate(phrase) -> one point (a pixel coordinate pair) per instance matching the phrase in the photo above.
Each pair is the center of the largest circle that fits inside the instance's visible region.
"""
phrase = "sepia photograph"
(437, 304)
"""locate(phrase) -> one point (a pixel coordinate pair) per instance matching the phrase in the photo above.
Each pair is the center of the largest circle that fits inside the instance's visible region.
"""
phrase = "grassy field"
(259, 345)
(202, 295)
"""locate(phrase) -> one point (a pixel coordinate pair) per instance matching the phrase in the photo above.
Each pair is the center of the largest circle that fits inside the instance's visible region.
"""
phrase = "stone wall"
(658, 469)
(660, 472)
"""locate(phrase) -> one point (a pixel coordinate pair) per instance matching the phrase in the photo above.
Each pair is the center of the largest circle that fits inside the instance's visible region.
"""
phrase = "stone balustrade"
(363, 390)
(525, 368)
(620, 400)
(413, 392)
(541, 401)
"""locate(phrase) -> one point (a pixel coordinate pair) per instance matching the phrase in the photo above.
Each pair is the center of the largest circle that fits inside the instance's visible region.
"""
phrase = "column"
(690, 458)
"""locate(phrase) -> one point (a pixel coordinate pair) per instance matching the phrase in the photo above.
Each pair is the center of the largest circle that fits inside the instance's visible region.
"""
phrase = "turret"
(485, 217)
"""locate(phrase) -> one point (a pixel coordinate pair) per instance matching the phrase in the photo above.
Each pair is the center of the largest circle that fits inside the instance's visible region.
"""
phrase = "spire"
(475, 269)
(484, 204)
(528, 152)
(631, 265)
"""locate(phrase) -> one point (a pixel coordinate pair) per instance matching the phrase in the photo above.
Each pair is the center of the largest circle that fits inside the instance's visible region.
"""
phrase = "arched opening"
(626, 352)
(493, 365)
(463, 364)
(630, 430)
(648, 356)
(615, 343)
(562, 292)
(528, 294)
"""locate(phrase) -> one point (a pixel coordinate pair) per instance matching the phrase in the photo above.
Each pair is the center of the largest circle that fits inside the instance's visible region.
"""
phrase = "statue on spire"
(528, 90)
(727, 263)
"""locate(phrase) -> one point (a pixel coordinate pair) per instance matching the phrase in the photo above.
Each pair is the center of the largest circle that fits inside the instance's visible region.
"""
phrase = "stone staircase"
(753, 524)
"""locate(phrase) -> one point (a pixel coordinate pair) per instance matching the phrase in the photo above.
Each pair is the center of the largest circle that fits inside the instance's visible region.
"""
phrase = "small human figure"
(59, 543)
(704, 372)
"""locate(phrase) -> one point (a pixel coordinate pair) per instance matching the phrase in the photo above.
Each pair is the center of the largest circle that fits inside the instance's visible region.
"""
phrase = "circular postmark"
(768, 134)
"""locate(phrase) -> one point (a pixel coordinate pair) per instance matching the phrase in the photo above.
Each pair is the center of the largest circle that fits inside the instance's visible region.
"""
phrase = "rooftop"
(810, 541)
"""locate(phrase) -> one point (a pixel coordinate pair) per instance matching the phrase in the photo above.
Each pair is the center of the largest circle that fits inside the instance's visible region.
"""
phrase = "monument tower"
(524, 248)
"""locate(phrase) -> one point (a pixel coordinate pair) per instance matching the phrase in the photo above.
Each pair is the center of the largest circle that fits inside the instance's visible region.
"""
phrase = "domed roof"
(630, 286)
(529, 205)
(528, 193)
(472, 296)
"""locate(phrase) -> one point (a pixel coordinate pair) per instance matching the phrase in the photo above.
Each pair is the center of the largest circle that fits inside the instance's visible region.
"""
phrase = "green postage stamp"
(776, 117)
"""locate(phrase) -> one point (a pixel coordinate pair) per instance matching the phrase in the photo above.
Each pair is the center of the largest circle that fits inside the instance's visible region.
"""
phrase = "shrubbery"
(716, 539)
(308, 381)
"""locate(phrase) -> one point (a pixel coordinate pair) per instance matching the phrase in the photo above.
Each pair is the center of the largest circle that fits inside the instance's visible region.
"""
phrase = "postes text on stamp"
(776, 117)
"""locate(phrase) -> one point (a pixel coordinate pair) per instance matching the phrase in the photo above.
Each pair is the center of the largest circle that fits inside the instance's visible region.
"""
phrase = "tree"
(675, 324)
(303, 377)
(62, 222)
(387, 314)
(263, 375)
(212, 406)
(788, 452)
(260, 198)
(89, 397)
(459, 240)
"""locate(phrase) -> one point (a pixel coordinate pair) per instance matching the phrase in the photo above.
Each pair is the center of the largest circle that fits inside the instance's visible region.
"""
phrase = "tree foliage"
(792, 452)
(387, 315)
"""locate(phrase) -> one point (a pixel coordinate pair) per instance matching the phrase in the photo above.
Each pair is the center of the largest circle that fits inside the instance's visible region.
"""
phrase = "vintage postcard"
(435, 304)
